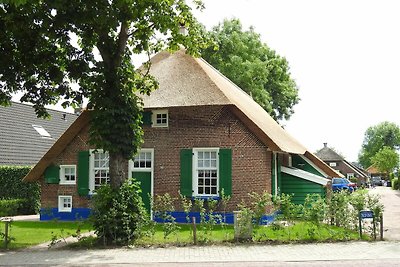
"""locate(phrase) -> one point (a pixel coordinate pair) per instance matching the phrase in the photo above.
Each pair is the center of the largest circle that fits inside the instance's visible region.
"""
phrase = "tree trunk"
(118, 170)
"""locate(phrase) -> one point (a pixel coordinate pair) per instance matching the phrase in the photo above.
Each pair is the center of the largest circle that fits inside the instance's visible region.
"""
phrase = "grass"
(300, 232)
(29, 233)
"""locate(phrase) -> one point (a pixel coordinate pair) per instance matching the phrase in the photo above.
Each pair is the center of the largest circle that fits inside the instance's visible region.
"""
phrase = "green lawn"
(30, 233)
(27, 234)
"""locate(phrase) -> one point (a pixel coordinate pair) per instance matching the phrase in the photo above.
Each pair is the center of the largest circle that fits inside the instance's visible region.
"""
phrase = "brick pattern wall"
(209, 126)
(50, 192)
(189, 127)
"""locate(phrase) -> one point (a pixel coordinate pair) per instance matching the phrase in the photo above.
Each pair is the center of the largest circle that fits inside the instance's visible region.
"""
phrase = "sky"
(344, 56)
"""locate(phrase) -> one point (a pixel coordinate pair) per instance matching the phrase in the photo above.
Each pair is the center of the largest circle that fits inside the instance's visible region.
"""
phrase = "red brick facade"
(189, 127)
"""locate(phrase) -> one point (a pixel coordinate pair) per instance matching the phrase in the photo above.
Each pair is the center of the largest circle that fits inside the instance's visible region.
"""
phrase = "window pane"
(206, 163)
(214, 182)
(201, 182)
(214, 190)
(200, 163)
(207, 190)
(213, 155)
(213, 163)
(200, 155)
(200, 190)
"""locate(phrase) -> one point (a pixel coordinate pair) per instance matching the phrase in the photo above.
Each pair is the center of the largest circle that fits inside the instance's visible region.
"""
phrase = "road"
(391, 215)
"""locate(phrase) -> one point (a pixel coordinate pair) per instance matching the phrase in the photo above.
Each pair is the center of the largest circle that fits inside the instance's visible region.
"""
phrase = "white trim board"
(305, 175)
(315, 166)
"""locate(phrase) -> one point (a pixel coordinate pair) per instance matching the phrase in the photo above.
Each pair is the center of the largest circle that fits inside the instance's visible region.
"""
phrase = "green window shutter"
(186, 172)
(83, 173)
(147, 118)
(225, 170)
(52, 174)
(273, 173)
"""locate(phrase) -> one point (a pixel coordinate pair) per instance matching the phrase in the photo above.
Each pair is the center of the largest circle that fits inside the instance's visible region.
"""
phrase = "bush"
(10, 207)
(118, 214)
(12, 187)
(395, 184)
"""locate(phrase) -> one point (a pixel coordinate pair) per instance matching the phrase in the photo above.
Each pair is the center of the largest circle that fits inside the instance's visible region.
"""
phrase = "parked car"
(389, 183)
(339, 184)
(352, 184)
(377, 180)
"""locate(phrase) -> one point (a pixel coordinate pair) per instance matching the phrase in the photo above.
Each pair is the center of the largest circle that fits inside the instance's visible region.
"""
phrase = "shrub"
(118, 214)
(395, 184)
(10, 207)
(12, 187)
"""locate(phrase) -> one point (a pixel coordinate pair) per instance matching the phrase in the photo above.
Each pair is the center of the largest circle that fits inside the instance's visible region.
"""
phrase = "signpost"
(369, 214)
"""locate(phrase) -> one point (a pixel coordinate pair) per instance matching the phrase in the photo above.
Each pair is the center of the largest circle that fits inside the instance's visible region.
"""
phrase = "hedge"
(12, 187)
(395, 183)
(11, 207)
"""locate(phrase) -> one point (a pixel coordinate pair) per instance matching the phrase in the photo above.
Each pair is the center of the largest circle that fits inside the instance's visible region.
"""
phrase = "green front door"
(145, 184)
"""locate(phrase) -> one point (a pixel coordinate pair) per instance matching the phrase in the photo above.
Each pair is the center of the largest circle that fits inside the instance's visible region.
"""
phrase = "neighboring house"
(24, 138)
(202, 134)
(337, 162)
(374, 172)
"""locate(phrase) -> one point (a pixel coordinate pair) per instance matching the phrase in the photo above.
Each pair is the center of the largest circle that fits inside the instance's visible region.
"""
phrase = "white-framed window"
(67, 174)
(332, 164)
(64, 203)
(205, 172)
(99, 169)
(143, 160)
(160, 118)
(350, 175)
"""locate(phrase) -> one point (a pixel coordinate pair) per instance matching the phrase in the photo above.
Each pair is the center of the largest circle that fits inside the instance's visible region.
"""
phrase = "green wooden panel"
(273, 172)
(147, 120)
(145, 184)
(52, 174)
(225, 170)
(83, 173)
(300, 163)
(299, 188)
(186, 162)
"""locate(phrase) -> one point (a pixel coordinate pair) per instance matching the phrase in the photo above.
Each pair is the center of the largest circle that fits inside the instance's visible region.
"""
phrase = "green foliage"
(395, 184)
(49, 45)
(10, 207)
(386, 160)
(12, 187)
(187, 205)
(315, 209)
(375, 138)
(253, 66)
(118, 215)
(163, 205)
(289, 210)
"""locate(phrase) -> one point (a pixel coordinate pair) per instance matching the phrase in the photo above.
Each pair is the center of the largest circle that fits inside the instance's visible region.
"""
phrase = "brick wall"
(209, 126)
(189, 127)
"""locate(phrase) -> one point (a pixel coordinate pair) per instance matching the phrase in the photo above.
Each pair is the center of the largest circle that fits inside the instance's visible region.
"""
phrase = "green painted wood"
(225, 170)
(52, 174)
(83, 173)
(147, 120)
(145, 184)
(273, 172)
(299, 188)
(186, 162)
(300, 163)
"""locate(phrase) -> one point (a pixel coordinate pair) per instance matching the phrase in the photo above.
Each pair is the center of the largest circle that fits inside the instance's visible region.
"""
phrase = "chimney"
(64, 116)
(325, 144)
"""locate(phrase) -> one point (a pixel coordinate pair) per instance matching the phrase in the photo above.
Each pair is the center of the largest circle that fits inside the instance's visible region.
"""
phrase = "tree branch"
(121, 42)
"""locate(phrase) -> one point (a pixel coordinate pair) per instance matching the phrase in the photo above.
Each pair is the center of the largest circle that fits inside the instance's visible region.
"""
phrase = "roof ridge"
(50, 109)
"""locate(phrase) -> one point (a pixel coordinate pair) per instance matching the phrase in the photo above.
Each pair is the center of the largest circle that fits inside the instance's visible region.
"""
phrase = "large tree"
(242, 57)
(385, 134)
(48, 45)
(386, 160)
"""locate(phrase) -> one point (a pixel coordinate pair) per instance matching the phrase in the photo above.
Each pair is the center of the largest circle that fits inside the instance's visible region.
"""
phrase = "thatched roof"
(188, 81)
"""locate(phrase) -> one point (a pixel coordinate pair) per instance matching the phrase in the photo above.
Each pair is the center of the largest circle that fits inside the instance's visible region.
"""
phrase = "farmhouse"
(202, 134)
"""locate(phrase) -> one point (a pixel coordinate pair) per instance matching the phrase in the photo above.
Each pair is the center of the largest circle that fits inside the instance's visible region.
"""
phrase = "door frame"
(131, 169)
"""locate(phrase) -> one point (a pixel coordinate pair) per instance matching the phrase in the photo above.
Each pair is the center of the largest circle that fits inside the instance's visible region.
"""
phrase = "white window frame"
(350, 175)
(196, 168)
(62, 175)
(332, 164)
(61, 202)
(92, 169)
(154, 118)
(146, 151)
